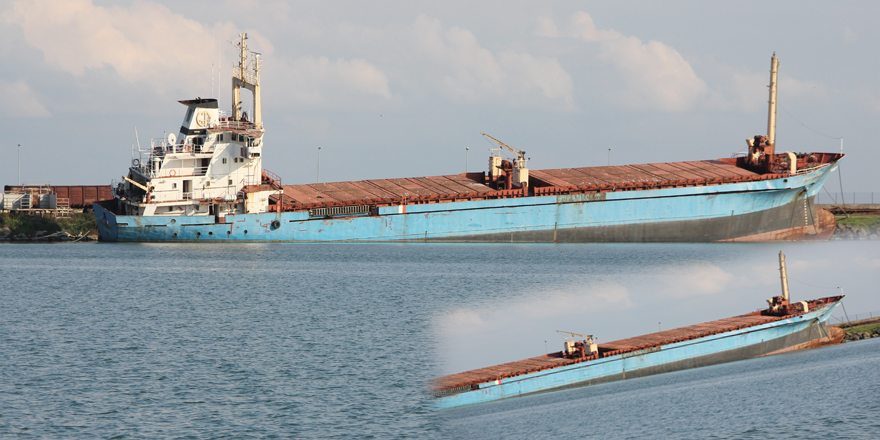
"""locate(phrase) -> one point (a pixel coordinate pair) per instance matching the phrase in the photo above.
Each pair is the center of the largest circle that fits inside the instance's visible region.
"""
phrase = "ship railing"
(157, 144)
(272, 177)
(810, 169)
(230, 124)
(187, 195)
(161, 146)
(247, 75)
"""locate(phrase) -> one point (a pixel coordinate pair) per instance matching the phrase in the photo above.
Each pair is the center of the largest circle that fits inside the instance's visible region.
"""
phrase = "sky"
(404, 88)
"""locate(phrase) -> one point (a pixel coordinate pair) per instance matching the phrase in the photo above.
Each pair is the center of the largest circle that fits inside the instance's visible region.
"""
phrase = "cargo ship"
(207, 184)
(783, 326)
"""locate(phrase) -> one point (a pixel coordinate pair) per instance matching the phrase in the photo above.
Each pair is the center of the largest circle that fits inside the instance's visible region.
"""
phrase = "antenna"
(219, 67)
(213, 45)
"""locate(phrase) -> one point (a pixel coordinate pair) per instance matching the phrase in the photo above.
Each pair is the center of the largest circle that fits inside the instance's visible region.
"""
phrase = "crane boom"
(575, 334)
(520, 153)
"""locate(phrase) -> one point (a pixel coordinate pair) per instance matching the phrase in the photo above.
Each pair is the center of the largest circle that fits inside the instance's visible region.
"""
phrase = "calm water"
(316, 341)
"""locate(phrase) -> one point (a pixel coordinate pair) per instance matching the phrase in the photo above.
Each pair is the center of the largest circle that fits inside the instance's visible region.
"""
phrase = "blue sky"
(397, 89)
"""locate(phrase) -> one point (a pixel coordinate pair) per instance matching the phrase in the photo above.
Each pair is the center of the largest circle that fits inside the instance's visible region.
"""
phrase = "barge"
(207, 184)
(783, 326)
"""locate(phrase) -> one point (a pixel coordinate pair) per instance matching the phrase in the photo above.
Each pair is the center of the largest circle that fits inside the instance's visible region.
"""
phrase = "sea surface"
(130, 341)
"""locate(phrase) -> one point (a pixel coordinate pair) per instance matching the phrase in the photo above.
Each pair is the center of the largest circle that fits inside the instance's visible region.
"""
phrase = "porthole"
(174, 235)
(198, 234)
(245, 232)
(211, 233)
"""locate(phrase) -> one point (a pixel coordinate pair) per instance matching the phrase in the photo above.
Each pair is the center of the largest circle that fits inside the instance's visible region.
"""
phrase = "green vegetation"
(29, 224)
(870, 328)
(77, 223)
(869, 222)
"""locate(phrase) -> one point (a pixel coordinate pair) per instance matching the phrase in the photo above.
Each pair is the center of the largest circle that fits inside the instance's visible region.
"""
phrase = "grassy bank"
(29, 225)
(870, 328)
(857, 227)
(869, 222)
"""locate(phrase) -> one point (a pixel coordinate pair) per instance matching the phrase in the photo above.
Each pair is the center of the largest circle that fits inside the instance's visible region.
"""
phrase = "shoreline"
(860, 329)
(25, 228)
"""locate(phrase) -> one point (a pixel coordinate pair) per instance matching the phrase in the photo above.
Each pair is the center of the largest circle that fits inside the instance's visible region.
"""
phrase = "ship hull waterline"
(779, 209)
(799, 332)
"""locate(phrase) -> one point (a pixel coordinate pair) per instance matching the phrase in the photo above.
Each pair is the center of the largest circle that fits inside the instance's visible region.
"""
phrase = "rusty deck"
(473, 186)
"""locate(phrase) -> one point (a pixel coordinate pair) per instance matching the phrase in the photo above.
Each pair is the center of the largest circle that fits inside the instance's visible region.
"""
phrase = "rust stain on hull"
(821, 231)
(835, 336)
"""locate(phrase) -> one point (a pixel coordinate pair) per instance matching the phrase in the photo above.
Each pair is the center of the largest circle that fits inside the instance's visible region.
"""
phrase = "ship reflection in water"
(783, 326)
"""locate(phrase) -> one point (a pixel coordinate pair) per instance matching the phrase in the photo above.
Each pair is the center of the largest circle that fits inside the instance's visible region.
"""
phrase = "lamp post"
(318, 178)
(19, 164)
(609, 157)
(466, 151)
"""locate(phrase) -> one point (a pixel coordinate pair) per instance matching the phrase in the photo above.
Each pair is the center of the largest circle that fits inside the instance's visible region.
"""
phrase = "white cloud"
(21, 100)
(546, 28)
(581, 26)
(145, 42)
(471, 73)
(656, 75)
(576, 301)
(318, 81)
(743, 91)
(737, 90)
(653, 75)
(695, 280)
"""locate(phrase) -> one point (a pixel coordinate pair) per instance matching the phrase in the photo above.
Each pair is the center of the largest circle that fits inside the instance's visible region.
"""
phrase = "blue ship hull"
(758, 210)
(746, 343)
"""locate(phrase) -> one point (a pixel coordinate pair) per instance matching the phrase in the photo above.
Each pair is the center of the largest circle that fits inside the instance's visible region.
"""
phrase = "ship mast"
(783, 275)
(242, 77)
(771, 117)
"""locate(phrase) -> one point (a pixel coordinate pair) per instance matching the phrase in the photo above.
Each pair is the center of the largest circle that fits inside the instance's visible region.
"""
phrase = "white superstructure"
(213, 166)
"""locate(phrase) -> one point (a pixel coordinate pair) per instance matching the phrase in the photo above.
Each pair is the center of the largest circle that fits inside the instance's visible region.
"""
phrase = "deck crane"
(584, 348)
(516, 174)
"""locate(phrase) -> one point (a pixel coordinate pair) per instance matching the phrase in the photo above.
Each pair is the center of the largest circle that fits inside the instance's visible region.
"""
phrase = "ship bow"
(106, 221)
